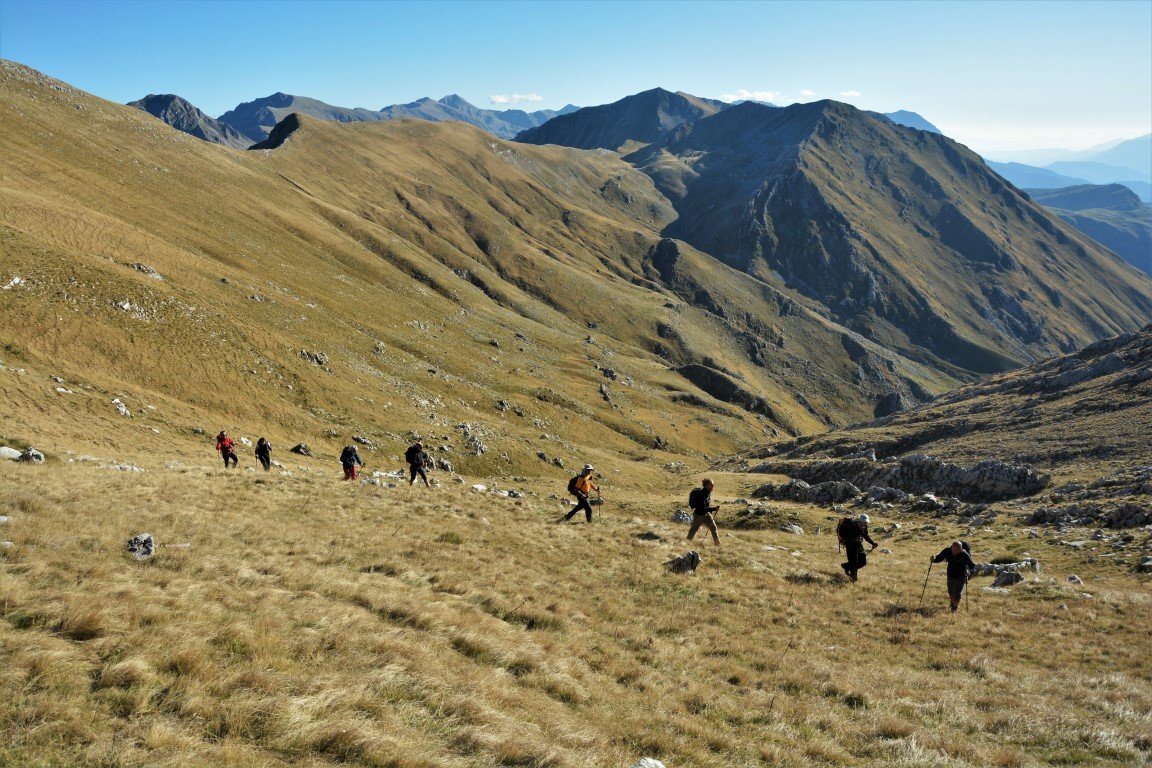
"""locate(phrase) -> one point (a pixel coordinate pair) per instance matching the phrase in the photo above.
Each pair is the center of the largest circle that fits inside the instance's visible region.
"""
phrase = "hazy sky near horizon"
(1006, 75)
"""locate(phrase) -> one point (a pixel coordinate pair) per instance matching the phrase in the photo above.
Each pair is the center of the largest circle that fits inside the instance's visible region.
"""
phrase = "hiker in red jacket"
(227, 451)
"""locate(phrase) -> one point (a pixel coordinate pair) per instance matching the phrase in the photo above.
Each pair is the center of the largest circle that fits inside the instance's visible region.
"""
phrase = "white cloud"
(514, 98)
(743, 95)
(850, 94)
(807, 93)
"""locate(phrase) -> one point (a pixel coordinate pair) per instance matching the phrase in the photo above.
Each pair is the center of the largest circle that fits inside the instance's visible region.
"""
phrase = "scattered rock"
(868, 454)
(479, 487)
(363, 441)
(557, 461)
(647, 762)
(1074, 579)
(301, 449)
(31, 456)
(121, 408)
(123, 467)
(686, 563)
(4, 519)
(1145, 565)
(317, 358)
(245, 442)
(1007, 578)
(792, 528)
(141, 546)
(9, 453)
(146, 270)
(680, 516)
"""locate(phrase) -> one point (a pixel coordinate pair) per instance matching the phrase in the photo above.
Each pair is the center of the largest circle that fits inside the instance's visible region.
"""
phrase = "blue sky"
(994, 75)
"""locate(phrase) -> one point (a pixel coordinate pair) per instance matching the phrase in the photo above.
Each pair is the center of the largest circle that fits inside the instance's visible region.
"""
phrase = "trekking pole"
(967, 605)
(925, 589)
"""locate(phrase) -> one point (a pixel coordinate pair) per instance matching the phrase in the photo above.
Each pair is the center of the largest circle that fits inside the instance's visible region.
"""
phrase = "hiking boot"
(852, 575)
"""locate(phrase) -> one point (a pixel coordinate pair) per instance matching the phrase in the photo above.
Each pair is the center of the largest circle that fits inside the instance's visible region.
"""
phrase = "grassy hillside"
(316, 623)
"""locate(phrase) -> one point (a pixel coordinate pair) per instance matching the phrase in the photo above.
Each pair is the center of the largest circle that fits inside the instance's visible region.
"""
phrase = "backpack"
(572, 485)
(848, 529)
(410, 454)
(694, 498)
(348, 455)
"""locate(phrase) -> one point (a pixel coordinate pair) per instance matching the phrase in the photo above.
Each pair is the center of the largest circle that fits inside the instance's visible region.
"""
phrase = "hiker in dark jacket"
(349, 458)
(701, 502)
(418, 461)
(852, 533)
(227, 449)
(580, 486)
(960, 568)
(264, 453)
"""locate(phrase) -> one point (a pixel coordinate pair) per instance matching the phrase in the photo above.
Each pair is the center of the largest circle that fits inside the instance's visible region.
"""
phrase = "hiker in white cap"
(580, 486)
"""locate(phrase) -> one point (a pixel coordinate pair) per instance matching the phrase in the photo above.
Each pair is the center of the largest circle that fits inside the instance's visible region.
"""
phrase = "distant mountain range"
(1110, 214)
(1117, 162)
(254, 120)
(251, 122)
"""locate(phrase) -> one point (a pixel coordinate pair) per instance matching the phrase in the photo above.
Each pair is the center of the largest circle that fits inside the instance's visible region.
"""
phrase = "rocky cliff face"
(183, 116)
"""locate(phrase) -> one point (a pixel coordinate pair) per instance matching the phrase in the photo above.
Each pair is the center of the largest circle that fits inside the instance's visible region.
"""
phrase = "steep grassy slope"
(437, 270)
(904, 235)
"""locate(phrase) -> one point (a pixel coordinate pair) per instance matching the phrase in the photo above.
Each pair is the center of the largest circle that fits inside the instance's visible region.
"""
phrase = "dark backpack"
(848, 529)
(410, 454)
(348, 455)
(695, 498)
(572, 485)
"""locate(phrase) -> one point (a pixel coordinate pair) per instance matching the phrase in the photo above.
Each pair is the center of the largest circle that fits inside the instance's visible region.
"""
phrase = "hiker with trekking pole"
(960, 569)
(227, 449)
(418, 463)
(579, 486)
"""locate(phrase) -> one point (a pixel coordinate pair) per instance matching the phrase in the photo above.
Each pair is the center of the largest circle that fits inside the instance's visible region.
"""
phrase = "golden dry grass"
(314, 622)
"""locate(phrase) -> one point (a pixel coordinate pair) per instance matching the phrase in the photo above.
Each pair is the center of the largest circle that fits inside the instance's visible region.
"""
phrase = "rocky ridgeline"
(990, 480)
(1123, 500)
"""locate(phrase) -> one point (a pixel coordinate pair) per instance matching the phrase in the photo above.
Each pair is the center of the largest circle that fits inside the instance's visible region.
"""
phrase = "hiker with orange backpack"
(579, 486)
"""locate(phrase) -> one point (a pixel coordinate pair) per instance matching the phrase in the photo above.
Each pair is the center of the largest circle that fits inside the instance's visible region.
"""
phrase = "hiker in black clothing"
(418, 461)
(349, 458)
(700, 499)
(579, 486)
(852, 533)
(264, 453)
(960, 568)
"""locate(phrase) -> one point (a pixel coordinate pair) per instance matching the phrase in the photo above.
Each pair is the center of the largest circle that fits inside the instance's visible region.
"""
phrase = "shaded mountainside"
(905, 236)
(256, 119)
(639, 119)
(350, 282)
(183, 116)
(1088, 411)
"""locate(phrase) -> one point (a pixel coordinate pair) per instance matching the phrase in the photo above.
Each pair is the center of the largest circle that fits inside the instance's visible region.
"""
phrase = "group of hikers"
(419, 462)
(851, 533)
